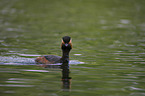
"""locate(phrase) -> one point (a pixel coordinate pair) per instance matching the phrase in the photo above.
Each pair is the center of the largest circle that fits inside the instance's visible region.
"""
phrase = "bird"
(66, 46)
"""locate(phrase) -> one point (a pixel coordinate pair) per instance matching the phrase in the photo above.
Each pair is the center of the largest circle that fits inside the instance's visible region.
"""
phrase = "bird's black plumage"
(66, 46)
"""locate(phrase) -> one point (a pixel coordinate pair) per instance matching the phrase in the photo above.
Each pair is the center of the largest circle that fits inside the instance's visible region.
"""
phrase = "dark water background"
(108, 56)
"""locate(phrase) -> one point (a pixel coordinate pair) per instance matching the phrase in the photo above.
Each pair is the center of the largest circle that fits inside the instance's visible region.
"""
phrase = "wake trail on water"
(15, 60)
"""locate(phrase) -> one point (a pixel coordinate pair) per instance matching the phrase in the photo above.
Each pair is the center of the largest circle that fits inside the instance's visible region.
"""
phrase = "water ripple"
(14, 85)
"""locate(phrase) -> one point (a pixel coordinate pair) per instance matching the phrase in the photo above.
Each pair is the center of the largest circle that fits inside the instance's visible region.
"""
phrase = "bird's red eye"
(70, 43)
(63, 42)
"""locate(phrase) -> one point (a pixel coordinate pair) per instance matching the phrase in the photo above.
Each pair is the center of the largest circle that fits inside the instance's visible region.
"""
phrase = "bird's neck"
(65, 53)
(65, 56)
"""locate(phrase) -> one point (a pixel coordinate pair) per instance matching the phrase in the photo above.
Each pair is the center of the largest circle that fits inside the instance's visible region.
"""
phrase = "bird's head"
(66, 43)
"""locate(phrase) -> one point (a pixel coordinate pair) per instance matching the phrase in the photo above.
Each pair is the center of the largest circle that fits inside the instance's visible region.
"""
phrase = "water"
(108, 52)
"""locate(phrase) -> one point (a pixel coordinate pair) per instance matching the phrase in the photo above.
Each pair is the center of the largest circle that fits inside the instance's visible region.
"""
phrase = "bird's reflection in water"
(66, 79)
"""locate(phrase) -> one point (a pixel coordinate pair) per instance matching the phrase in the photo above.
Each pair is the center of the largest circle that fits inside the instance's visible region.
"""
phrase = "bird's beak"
(66, 44)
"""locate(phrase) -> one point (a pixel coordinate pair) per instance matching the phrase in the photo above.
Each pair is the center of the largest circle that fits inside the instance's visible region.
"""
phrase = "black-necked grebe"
(66, 46)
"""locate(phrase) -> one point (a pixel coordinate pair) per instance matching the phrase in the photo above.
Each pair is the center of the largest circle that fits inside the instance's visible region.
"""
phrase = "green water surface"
(108, 36)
